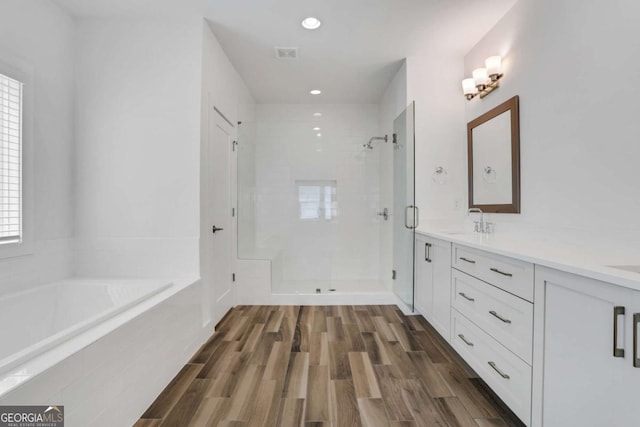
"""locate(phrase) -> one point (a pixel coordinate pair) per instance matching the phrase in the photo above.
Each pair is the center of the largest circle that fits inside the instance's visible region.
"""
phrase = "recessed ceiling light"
(316, 129)
(311, 23)
(319, 135)
(315, 92)
(317, 114)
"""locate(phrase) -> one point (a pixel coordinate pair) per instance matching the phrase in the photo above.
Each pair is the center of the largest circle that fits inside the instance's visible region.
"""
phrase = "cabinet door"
(441, 281)
(424, 278)
(584, 382)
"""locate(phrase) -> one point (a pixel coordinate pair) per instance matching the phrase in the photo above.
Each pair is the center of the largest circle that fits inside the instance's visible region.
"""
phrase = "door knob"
(214, 229)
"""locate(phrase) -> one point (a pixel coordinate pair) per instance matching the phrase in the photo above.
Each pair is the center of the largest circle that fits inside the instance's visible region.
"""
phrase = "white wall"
(288, 150)
(392, 104)
(138, 146)
(573, 65)
(39, 36)
(433, 82)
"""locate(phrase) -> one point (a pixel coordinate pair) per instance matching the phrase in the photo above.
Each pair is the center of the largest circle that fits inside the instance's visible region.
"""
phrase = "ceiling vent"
(286, 52)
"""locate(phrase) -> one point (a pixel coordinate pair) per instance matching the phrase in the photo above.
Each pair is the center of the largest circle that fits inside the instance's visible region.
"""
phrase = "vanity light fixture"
(485, 80)
(315, 92)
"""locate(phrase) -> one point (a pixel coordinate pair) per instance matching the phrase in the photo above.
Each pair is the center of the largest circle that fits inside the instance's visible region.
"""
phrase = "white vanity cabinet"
(584, 352)
(492, 321)
(433, 282)
(560, 347)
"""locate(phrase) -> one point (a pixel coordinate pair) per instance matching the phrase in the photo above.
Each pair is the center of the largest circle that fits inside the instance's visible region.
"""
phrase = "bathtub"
(102, 348)
(36, 320)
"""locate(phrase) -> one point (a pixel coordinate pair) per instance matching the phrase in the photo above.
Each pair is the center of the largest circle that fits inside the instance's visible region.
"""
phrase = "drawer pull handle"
(463, 295)
(466, 341)
(494, 314)
(495, 270)
(470, 261)
(502, 374)
(636, 360)
(617, 312)
(427, 252)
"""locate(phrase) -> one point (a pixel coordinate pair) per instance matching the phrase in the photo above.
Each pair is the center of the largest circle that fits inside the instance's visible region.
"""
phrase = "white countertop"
(589, 260)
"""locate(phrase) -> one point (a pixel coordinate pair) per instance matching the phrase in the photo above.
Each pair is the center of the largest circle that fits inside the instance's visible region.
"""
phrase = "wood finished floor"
(326, 366)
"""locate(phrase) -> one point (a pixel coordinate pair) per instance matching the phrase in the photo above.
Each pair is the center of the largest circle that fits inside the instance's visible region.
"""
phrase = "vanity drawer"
(507, 375)
(507, 318)
(510, 274)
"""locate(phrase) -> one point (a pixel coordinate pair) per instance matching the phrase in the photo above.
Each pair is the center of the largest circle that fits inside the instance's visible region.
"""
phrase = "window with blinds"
(10, 160)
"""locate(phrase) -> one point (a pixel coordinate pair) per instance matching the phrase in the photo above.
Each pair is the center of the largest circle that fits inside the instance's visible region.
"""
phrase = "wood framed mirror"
(494, 159)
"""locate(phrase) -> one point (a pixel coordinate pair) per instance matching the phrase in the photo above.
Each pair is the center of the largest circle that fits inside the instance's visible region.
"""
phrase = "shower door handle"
(414, 222)
(416, 215)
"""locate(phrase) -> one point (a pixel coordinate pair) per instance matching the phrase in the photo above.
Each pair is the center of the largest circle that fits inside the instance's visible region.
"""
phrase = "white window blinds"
(10, 160)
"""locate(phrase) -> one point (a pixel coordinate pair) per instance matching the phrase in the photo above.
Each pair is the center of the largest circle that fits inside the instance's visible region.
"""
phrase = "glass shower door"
(405, 216)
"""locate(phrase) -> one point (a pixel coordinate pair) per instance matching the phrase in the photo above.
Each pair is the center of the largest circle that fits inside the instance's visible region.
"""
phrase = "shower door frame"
(406, 215)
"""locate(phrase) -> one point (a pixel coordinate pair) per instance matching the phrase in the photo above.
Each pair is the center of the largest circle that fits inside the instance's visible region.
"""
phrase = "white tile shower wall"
(289, 150)
(41, 36)
(138, 141)
(579, 144)
(112, 381)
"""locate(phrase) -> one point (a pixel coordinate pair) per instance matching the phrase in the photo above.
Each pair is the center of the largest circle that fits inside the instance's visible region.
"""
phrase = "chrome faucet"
(481, 226)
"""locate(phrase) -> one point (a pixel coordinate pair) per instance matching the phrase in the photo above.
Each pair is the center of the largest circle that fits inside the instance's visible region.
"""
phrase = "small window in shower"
(317, 200)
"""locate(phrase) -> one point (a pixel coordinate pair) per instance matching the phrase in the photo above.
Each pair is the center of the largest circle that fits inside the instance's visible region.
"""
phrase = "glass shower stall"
(312, 201)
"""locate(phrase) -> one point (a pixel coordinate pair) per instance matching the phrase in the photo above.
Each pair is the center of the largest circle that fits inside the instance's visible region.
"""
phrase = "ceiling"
(351, 58)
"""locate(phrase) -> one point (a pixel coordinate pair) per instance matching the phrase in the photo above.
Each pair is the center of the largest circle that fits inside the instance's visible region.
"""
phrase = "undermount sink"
(631, 268)
(452, 233)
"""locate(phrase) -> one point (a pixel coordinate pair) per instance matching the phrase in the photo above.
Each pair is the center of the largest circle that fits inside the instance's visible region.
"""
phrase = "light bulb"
(469, 87)
(494, 66)
(480, 77)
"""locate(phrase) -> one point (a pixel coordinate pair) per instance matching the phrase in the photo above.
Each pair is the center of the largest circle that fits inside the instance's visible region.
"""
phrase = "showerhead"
(369, 144)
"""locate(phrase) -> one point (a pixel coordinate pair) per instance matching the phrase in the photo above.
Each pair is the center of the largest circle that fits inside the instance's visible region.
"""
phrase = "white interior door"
(219, 241)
